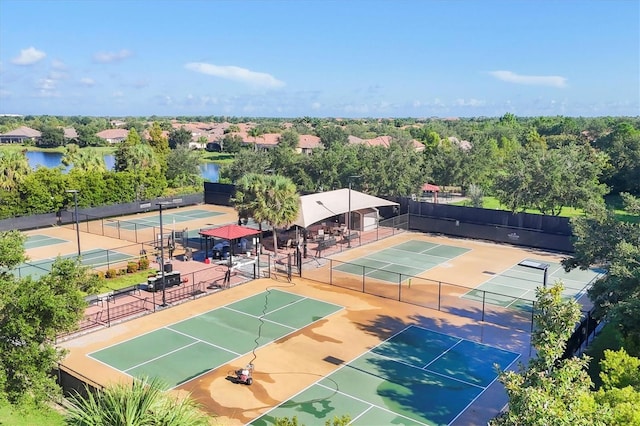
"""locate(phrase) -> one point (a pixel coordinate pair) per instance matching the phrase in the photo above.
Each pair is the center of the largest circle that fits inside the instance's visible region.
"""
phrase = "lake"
(209, 171)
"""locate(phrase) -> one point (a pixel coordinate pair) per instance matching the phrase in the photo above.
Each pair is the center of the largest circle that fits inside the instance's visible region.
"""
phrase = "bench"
(325, 244)
(125, 291)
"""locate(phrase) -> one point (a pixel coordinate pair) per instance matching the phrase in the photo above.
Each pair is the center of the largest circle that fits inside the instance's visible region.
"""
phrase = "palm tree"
(87, 159)
(268, 198)
(279, 204)
(14, 167)
(140, 403)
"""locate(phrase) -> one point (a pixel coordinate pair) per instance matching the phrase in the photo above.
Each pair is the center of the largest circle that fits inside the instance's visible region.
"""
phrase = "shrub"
(122, 271)
(111, 273)
(100, 275)
(143, 263)
(132, 267)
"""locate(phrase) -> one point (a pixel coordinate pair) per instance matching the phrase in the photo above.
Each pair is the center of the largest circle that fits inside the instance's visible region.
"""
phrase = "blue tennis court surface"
(516, 287)
(39, 240)
(410, 258)
(168, 217)
(91, 258)
(417, 377)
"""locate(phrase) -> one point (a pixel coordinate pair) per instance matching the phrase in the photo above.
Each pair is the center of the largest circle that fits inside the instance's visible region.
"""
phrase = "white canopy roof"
(319, 206)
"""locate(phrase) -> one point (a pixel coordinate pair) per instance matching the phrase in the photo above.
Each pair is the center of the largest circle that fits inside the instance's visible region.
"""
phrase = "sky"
(326, 58)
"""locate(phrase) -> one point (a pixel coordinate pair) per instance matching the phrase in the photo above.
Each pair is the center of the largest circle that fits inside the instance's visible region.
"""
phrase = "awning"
(430, 187)
(322, 205)
(230, 232)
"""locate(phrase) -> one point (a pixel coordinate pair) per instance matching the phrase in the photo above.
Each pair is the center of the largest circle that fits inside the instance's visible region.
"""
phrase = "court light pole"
(164, 284)
(351, 178)
(75, 200)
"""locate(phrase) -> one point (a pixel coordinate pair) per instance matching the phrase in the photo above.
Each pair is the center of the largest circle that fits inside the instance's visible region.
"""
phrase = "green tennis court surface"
(417, 377)
(516, 287)
(410, 258)
(182, 351)
(39, 240)
(167, 218)
(91, 258)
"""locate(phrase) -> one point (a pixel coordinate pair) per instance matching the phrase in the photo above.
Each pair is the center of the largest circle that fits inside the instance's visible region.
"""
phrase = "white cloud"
(107, 57)
(58, 64)
(470, 102)
(86, 81)
(29, 56)
(234, 73)
(47, 88)
(533, 80)
(316, 105)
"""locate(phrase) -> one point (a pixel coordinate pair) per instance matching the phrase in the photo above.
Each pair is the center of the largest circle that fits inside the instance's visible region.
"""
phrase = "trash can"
(168, 267)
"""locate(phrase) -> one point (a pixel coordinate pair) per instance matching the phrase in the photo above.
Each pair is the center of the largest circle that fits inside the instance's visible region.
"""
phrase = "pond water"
(209, 171)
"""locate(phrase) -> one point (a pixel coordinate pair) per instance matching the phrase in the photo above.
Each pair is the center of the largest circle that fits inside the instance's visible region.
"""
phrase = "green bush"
(111, 273)
(132, 267)
(143, 263)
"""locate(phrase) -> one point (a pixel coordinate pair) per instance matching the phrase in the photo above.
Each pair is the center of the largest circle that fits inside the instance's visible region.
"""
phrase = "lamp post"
(164, 285)
(349, 214)
(75, 200)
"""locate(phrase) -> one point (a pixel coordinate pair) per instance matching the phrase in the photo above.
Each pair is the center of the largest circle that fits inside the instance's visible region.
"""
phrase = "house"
(20, 135)
(307, 144)
(263, 142)
(70, 133)
(384, 141)
(113, 135)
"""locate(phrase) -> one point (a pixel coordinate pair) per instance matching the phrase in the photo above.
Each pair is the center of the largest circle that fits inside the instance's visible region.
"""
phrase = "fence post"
(399, 287)
(108, 314)
(439, 294)
(102, 226)
(533, 310)
(484, 296)
(330, 271)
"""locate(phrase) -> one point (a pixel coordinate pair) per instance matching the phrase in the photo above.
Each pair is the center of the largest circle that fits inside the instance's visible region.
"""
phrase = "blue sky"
(320, 58)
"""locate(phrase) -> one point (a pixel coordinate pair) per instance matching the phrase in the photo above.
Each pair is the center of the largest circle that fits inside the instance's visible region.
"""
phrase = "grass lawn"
(216, 157)
(104, 150)
(611, 201)
(127, 280)
(9, 415)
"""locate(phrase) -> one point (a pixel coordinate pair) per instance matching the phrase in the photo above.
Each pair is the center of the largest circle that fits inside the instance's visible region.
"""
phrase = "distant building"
(307, 144)
(20, 135)
(113, 135)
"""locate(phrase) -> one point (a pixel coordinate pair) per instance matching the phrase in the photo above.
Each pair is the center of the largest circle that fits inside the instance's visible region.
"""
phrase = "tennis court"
(168, 217)
(182, 351)
(91, 258)
(40, 240)
(516, 286)
(416, 377)
(410, 258)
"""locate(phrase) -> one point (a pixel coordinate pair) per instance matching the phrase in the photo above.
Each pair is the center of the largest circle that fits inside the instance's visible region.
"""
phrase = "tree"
(14, 168)
(548, 180)
(183, 167)
(601, 240)
(160, 145)
(32, 313)
(620, 392)
(87, 159)
(289, 139)
(231, 143)
(267, 198)
(179, 136)
(137, 157)
(246, 161)
(332, 135)
(141, 403)
(51, 137)
(550, 390)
